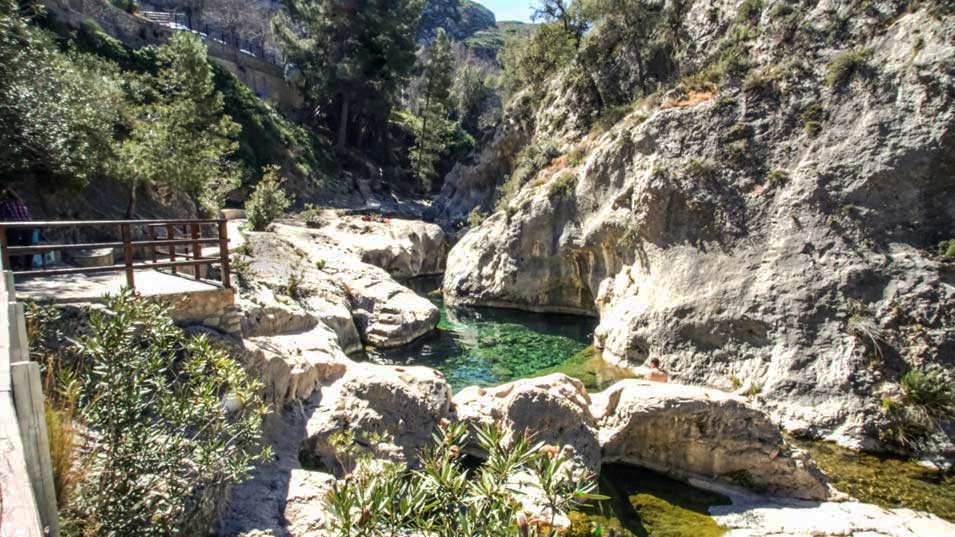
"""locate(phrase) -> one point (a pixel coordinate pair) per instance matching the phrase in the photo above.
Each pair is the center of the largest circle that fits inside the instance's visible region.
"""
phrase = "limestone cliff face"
(460, 18)
(776, 231)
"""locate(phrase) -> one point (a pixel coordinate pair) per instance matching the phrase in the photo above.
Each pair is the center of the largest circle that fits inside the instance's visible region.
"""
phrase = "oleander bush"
(151, 424)
(448, 497)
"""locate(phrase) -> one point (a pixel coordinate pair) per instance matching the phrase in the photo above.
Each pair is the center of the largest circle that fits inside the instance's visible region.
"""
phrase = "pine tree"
(356, 57)
(435, 109)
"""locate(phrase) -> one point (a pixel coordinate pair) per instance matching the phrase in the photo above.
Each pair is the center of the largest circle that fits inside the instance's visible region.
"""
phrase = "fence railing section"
(166, 244)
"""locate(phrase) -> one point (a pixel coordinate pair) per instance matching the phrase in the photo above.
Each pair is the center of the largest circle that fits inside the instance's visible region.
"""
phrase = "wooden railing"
(170, 247)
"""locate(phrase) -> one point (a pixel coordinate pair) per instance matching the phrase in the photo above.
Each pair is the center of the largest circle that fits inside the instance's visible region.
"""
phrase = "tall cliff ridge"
(754, 194)
(460, 18)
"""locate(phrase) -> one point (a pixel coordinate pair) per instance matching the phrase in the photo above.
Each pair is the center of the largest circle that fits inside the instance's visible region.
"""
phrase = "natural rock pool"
(485, 347)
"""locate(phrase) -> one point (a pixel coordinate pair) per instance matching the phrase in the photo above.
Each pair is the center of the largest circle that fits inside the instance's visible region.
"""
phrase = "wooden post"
(196, 251)
(128, 257)
(152, 237)
(31, 414)
(4, 254)
(171, 235)
(224, 254)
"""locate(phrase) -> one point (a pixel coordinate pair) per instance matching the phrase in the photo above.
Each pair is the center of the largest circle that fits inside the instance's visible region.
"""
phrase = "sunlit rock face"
(713, 230)
(686, 430)
(391, 411)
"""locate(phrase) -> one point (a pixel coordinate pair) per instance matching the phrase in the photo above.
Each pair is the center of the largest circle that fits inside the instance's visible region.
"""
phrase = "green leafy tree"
(446, 499)
(179, 135)
(172, 421)
(356, 57)
(531, 60)
(434, 132)
(268, 201)
(57, 109)
(567, 14)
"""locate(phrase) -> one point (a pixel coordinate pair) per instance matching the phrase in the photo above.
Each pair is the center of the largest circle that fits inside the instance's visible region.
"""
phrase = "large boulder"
(388, 412)
(697, 432)
(554, 409)
(404, 248)
(300, 277)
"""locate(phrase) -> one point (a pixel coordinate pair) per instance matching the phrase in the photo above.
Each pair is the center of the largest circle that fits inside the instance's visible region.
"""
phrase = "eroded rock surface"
(391, 412)
(554, 409)
(687, 430)
(404, 248)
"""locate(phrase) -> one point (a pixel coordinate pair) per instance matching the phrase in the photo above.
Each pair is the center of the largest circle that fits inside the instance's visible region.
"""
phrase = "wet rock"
(684, 430)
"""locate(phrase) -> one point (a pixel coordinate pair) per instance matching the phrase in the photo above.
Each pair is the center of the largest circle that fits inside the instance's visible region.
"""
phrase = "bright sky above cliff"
(510, 10)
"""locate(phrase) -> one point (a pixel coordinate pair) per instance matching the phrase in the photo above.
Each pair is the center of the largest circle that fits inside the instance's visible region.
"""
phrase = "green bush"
(777, 178)
(171, 422)
(812, 117)
(946, 249)
(749, 11)
(528, 164)
(562, 186)
(927, 399)
(812, 128)
(845, 65)
(267, 202)
(446, 499)
(476, 217)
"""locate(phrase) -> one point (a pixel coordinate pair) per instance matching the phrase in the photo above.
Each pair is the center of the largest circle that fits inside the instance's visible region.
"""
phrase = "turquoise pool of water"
(485, 346)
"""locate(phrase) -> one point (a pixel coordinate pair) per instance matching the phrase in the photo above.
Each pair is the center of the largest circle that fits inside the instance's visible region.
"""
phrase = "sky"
(510, 10)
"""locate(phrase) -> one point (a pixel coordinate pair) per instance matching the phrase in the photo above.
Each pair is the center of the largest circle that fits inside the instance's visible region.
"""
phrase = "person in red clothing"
(13, 209)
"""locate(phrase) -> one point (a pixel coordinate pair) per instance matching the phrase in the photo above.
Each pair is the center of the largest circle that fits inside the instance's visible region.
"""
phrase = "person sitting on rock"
(656, 374)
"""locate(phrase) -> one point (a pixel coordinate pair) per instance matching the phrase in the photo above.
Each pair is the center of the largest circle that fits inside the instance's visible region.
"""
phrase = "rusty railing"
(190, 240)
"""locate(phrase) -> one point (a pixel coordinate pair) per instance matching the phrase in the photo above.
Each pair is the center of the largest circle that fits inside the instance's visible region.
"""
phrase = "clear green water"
(886, 481)
(485, 346)
(644, 503)
(481, 346)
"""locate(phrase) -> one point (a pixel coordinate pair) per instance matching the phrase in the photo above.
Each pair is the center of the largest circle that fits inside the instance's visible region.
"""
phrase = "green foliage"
(777, 178)
(435, 109)
(293, 287)
(812, 128)
(562, 186)
(846, 65)
(577, 155)
(927, 400)
(733, 50)
(129, 6)
(700, 169)
(267, 202)
(812, 117)
(531, 60)
(946, 249)
(445, 499)
(180, 136)
(174, 421)
(355, 62)
(57, 109)
(267, 137)
(739, 131)
(749, 11)
(609, 117)
(781, 10)
(476, 217)
(528, 164)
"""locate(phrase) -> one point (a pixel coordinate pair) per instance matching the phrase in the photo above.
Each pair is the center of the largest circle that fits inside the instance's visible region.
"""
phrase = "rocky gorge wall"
(775, 231)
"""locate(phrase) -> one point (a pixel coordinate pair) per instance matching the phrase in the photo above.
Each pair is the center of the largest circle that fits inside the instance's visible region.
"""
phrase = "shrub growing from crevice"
(529, 163)
(846, 65)
(946, 249)
(927, 398)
